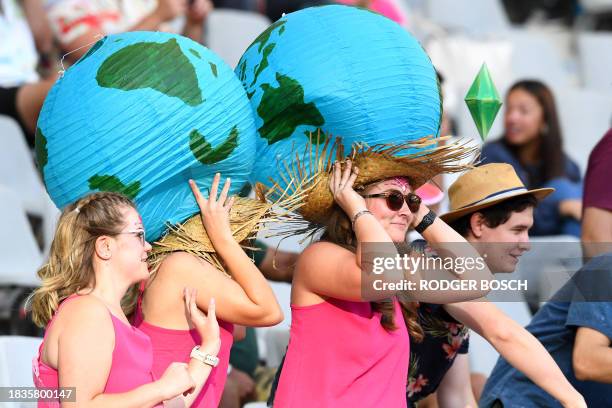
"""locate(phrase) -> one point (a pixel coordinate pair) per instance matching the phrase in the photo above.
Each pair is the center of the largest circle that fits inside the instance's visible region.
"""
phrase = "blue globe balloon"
(341, 70)
(141, 113)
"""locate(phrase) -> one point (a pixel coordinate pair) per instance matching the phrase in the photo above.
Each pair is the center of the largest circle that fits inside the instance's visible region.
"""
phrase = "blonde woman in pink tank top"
(98, 252)
(346, 350)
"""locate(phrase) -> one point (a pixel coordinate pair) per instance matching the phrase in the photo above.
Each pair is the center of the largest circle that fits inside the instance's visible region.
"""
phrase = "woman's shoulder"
(83, 304)
(322, 248)
(76, 310)
(183, 261)
(319, 254)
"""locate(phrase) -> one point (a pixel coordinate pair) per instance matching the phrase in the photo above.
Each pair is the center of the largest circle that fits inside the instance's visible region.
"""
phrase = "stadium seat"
(585, 116)
(17, 170)
(16, 354)
(230, 32)
(469, 16)
(595, 54)
(20, 257)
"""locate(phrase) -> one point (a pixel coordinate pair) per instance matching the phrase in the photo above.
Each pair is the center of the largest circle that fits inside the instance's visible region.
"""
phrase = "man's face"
(504, 244)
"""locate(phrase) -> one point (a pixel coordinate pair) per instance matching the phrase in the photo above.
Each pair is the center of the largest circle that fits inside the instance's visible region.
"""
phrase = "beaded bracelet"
(359, 214)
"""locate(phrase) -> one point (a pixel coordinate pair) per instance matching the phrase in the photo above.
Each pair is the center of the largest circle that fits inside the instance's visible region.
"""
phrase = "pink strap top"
(339, 355)
(171, 345)
(131, 366)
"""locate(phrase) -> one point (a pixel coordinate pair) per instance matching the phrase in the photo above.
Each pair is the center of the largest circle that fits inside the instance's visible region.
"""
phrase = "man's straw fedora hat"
(484, 187)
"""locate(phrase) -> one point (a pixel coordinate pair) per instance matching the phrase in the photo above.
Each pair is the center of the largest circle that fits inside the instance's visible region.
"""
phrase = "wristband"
(427, 220)
(208, 359)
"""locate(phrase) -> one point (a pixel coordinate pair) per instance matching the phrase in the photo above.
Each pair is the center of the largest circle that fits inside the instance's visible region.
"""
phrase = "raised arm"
(247, 298)
(523, 351)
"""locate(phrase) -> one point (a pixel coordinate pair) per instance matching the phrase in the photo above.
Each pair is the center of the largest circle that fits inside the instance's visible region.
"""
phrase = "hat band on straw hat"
(496, 196)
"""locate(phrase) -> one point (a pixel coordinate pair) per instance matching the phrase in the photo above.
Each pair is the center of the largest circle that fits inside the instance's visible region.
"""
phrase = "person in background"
(25, 33)
(597, 201)
(533, 145)
(575, 326)
(78, 24)
(248, 380)
(493, 211)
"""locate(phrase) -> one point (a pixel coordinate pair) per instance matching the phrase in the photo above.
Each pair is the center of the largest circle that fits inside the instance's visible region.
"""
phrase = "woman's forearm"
(251, 280)
(525, 353)
(199, 373)
(147, 395)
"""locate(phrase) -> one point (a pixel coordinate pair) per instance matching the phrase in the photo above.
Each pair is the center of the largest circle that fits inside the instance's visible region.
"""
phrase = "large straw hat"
(309, 178)
(247, 217)
(485, 186)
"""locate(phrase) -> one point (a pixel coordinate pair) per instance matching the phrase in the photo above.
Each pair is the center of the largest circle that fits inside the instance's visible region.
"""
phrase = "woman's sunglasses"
(395, 200)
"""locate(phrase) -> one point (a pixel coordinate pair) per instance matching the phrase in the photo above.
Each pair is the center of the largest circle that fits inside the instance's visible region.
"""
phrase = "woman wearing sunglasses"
(346, 348)
(98, 252)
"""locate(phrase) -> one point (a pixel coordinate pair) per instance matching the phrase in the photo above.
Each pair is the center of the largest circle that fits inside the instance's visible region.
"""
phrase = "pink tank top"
(339, 355)
(171, 345)
(131, 366)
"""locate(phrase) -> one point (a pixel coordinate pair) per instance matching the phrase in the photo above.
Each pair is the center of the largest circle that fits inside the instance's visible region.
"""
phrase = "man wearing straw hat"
(576, 325)
(491, 208)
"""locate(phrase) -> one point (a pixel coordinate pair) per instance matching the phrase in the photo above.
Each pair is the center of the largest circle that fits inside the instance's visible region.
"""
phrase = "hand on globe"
(215, 212)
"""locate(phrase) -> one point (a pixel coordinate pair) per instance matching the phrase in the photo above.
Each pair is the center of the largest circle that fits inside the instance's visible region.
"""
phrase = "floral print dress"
(444, 338)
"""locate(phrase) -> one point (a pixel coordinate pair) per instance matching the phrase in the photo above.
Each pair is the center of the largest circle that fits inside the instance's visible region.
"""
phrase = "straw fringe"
(375, 163)
(247, 217)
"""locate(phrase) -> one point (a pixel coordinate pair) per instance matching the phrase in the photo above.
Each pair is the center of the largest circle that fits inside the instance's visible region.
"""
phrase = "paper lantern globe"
(141, 113)
(342, 70)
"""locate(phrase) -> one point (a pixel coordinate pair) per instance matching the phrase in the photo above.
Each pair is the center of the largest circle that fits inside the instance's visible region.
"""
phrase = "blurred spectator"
(387, 8)
(519, 11)
(532, 143)
(575, 326)
(596, 221)
(77, 23)
(23, 30)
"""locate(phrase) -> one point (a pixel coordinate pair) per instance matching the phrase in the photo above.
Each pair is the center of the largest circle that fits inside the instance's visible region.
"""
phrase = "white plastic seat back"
(20, 257)
(17, 169)
(230, 32)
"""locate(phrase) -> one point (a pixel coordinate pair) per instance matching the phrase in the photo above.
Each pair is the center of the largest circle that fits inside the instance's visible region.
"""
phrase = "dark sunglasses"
(395, 200)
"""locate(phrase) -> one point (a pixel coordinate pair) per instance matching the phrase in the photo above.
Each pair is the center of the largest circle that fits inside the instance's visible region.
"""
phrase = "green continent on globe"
(283, 109)
(263, 38)
(205, 153)
(162, 67)
(40, 142)
(112, 183)
(93, 49)
(242, 71)
(264, 62)
(263, 45)
(213, 68)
